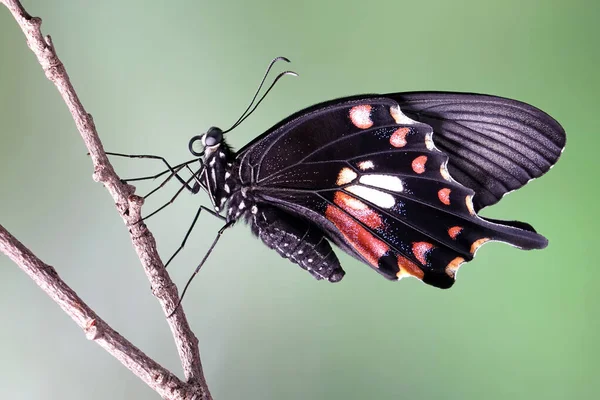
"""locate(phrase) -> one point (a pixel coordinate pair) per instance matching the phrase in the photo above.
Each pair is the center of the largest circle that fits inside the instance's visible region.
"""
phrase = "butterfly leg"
(173, 170)
(187, 235)
(210, 249)
(195, 189)
(297, 240)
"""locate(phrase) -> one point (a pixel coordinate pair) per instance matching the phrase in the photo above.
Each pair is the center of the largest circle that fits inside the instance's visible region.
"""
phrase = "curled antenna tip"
(281, 58)
(291, 73)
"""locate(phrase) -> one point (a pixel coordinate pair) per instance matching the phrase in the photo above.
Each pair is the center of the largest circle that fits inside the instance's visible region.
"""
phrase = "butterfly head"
(207, 143)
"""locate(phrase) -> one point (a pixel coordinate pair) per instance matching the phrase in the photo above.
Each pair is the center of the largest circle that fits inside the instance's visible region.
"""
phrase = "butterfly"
(395, 180)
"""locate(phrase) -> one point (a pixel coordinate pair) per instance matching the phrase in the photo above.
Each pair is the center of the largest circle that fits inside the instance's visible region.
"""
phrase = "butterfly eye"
(196, 146)
(213, 137)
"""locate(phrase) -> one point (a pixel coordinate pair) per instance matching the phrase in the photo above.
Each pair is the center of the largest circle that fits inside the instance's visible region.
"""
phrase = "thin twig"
(128, 205)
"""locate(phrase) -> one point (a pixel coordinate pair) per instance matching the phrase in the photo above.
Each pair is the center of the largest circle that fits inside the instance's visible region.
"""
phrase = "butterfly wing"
(374, 181)
(495, 145)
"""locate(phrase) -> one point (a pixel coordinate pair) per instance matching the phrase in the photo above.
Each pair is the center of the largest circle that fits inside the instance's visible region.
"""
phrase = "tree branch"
(128, 205)
(158, 378)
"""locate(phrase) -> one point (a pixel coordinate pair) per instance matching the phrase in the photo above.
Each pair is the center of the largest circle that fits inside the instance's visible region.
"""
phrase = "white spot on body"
(300, 251)
(254, 209)
(399, 116)
(226, 187)
(310, 260)
(242, 205)
(345, 176)
(212, 162)
(227, 175)
(375, 196)
(365, 165)
(221, 154)
(388, 182)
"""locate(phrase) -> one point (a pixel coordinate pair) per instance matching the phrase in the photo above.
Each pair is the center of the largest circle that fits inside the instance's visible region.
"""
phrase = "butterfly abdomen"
(298, 241)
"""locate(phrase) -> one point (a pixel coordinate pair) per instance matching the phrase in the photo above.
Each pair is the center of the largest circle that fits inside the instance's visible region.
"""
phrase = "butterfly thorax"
(219, 180)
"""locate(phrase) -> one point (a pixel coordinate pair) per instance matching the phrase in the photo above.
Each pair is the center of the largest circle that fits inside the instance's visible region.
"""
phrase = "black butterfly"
(394, 180)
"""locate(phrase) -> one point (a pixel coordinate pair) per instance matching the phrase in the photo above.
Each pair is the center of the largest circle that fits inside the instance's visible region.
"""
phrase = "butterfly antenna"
(281, 75)
(262, 82)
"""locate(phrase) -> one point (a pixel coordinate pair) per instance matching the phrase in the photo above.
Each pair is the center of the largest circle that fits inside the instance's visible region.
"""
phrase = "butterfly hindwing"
(374, 180)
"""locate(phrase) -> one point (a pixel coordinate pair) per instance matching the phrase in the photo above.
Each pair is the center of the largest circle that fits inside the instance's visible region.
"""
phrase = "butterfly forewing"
(496, 145)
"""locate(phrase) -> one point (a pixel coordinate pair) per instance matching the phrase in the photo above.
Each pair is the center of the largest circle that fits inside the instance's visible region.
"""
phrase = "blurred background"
(517, 325)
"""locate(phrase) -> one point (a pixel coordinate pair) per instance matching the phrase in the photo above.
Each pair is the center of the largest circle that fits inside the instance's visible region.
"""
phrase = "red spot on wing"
(418, 164)
(358, 210)
(444, 196)
(361, 116)
(455, 231)
(408, 268)
(365, 244)
(420, 250)
(398, 138)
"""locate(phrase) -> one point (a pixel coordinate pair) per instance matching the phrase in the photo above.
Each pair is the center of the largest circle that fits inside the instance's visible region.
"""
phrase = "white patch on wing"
(388, 182)
(345, 176)
(429, 141)
(365, 165)
(469, 201)
(444, 171)
(399, 116)
(375, 196)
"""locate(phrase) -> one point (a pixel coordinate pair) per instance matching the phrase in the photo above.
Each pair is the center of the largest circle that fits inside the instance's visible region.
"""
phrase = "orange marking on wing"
(477, 244)
(420, 250)
(455, 231)
(418, 164)
(408, 268)
(358, 210)
(469, 201)
(453, 266)
(444, 196)
(361, 116)
(365, 244)
(398, 138)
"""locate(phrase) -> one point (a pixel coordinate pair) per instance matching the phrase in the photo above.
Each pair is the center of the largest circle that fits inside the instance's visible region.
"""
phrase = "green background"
(517, 325)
